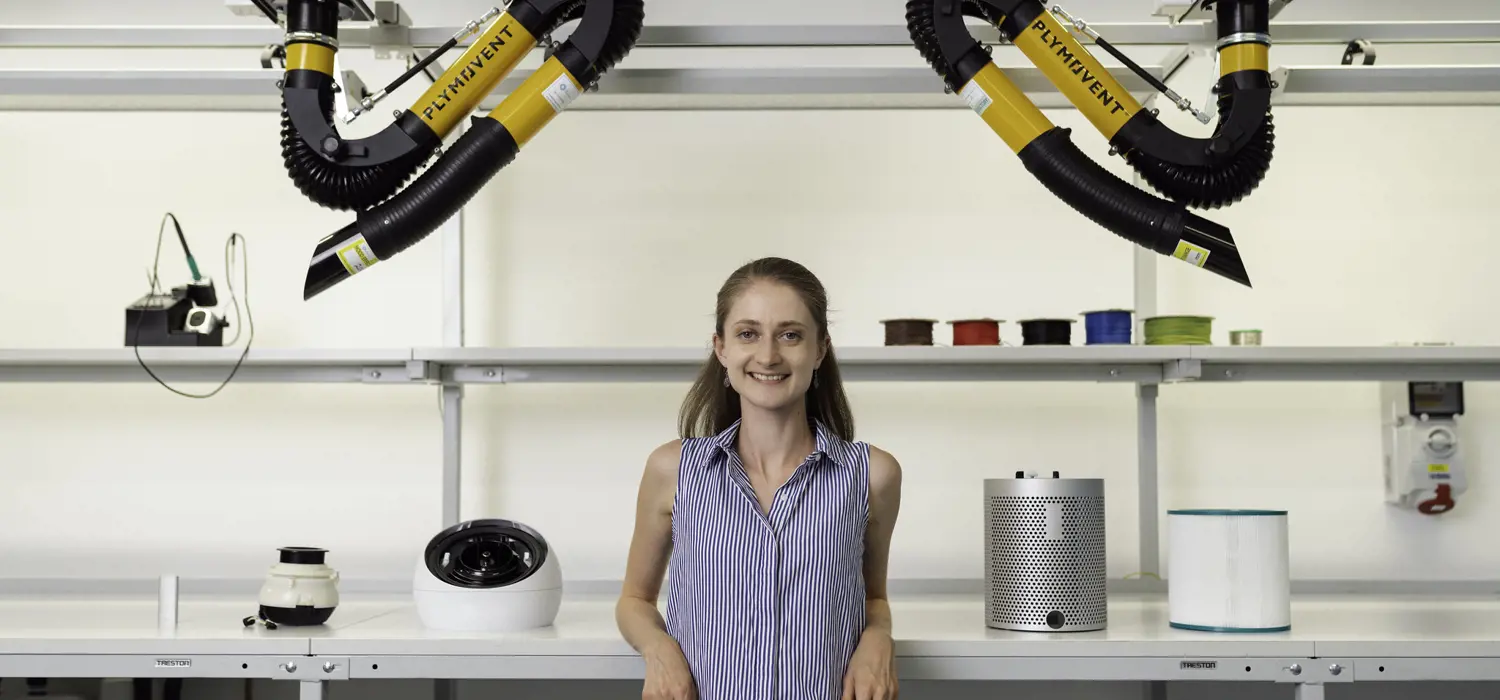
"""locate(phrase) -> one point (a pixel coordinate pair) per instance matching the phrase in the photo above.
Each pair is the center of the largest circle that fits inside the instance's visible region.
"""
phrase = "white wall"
(914, 201)
(920, 212)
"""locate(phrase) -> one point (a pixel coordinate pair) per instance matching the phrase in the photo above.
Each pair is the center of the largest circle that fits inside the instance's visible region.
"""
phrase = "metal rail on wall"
(669, 85)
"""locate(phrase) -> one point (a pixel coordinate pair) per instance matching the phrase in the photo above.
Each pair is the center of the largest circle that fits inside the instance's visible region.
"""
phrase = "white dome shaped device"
(488, 576)
(299, 590)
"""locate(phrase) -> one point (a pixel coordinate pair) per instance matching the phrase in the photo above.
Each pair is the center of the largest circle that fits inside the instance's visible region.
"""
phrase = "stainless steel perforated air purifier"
(1044, 554)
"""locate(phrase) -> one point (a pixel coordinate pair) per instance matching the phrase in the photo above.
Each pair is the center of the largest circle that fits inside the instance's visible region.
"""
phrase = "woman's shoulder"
(885, 485)
(885, 470)
(659, 482)
(665, 459)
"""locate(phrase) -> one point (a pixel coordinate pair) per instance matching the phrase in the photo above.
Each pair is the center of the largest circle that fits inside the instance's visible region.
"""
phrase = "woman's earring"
(815, 379)
(726, 378)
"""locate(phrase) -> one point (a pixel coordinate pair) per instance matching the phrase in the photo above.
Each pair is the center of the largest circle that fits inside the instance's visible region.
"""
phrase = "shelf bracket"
(390, 37)
(386, 375)
(1182, 371)
(422, 371)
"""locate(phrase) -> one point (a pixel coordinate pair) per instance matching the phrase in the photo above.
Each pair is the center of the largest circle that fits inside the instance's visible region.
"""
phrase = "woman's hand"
(872, 668)
(667, 674)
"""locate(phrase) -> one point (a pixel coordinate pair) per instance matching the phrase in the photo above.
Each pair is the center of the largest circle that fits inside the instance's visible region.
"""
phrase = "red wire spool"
(978, 331)
(908, 331)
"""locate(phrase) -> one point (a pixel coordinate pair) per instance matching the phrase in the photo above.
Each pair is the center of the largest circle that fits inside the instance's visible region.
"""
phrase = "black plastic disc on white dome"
(485, 553)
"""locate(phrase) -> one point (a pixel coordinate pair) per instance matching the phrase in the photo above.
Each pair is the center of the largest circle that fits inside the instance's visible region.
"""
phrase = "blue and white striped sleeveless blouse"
(768, 607)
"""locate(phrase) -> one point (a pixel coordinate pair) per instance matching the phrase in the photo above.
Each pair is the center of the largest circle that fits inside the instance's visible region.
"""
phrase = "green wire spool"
(1180, 330)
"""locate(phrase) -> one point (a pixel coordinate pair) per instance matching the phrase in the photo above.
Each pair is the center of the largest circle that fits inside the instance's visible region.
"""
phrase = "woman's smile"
(769, 378)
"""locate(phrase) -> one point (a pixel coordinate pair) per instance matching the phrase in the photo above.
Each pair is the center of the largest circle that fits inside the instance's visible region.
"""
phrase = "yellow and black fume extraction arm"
(1199, 172)
(366, 175)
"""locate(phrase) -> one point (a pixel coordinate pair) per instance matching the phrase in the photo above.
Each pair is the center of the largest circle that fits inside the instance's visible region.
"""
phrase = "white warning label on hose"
(561, 93)
(975, 96)
(357, 255)
(1193, 255)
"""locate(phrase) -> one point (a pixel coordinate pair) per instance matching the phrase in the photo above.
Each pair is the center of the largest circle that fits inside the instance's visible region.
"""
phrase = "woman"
(775, 526)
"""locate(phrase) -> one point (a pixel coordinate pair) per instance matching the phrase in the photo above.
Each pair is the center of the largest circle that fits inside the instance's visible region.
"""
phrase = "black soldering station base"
(157, 320)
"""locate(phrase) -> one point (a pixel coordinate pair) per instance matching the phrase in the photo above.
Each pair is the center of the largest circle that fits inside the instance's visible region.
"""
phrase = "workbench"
(1334, 639)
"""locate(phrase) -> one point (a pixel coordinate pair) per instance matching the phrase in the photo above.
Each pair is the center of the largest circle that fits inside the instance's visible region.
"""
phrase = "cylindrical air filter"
(1044, 554)
(1229, 570)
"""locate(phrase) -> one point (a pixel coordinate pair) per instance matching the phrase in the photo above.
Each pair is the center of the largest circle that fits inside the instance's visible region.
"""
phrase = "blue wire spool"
(1107, 327)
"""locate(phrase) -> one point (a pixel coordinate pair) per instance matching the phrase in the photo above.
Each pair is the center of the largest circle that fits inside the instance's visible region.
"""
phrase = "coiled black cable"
(1222, 184)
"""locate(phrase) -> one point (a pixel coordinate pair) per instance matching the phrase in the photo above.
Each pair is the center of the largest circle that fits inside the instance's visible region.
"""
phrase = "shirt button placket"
(770, 629)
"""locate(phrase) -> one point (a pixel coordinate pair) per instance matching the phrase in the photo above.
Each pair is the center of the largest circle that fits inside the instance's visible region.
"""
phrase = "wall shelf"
(112, 365)
(859, 364)
(1098, 363)
(477, 365)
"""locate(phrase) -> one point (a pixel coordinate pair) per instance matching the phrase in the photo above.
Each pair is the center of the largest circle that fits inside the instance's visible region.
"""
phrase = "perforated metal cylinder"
(1044, 555)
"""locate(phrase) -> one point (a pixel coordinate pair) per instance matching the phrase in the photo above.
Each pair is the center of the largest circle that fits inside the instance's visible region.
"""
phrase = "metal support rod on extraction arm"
(1198, 172)
(367, 175)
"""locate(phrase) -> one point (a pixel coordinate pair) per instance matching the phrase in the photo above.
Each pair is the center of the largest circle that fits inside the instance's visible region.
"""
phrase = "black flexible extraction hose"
(1211, 187)
(919, 25)
(1229, 179)
(483, 150)
(1048, 153)
(312, 25)
(337, 186)
(1146, 220)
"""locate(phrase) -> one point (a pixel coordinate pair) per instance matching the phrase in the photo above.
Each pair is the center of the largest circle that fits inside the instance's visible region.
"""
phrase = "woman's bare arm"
(885, 505)
(650, 548)
(872, 669)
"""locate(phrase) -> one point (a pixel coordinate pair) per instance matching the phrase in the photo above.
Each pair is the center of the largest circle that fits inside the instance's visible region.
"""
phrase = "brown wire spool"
(977, 331)
(908, 331)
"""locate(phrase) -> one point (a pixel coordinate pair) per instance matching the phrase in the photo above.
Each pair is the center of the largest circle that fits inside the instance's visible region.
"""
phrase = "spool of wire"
(979, 331)
(1179, 330)
(908, 331)
(1047, 331)
(1245, 337)
(1107, 327)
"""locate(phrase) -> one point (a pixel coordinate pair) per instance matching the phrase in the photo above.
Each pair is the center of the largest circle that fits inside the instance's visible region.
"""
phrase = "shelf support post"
(452, 234)
(1146, 478)
(1145, 414)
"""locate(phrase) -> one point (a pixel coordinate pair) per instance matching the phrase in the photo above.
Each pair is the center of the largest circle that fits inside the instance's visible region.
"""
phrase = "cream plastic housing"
(527, 604)
(300, 585)
(300, 588)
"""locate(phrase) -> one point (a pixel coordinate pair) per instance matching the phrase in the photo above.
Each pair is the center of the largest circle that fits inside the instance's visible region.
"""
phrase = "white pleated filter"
(1229, 570)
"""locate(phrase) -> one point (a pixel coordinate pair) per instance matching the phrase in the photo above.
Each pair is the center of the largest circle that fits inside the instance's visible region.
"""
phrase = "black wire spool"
(1047, 331)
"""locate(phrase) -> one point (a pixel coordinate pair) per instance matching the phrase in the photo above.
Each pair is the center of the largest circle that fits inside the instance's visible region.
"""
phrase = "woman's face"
(770, 346)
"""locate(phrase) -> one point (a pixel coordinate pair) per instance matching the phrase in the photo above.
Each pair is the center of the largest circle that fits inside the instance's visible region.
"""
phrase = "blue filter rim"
(1225, 511)
(1235, 630)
